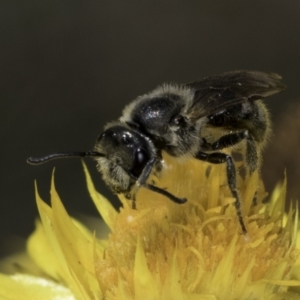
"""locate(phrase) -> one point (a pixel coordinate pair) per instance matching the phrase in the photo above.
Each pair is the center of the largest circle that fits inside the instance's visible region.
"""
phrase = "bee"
(179, 119)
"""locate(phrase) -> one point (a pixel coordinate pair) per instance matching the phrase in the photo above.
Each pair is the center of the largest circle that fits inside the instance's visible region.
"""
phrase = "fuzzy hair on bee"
(182, 120)
(149, 113)
(116, 165)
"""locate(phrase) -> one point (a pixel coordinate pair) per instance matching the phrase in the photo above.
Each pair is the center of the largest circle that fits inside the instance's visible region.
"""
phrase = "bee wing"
(213, 94)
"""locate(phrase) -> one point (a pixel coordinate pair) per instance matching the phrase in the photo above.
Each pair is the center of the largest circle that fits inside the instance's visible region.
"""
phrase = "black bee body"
(161, 115)
(250, 117)
(181, 119)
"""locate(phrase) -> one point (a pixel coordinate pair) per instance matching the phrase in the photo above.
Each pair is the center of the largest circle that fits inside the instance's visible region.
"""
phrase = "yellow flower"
(165, 250)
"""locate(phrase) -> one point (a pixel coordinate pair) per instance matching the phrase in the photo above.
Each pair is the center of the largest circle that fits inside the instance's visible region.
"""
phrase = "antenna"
(41, 160)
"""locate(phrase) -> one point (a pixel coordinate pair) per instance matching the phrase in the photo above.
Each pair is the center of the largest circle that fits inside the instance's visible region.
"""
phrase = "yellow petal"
(104, 207)
(25, 287)
(39, 248)
(284, 282)
(172, 287)
(76, 248)
(278, 197)
(46, 215)
(144, 285)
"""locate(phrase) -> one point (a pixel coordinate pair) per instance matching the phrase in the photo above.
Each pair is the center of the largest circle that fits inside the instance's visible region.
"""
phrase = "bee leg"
(141, 182)
(254, 200)
(133, 206)
(165, 193)
(227, 140)
(252, 155)
(219, 158)
(146, 172)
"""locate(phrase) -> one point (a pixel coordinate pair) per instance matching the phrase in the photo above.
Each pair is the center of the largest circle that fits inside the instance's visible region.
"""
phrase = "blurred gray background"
(68, 67)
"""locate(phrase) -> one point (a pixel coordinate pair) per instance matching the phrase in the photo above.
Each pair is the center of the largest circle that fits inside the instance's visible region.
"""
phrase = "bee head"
(124, 147)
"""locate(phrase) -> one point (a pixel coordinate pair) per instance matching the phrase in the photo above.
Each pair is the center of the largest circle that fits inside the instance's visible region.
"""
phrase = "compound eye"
(140, 160)
(178, 121)
(126, 139)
